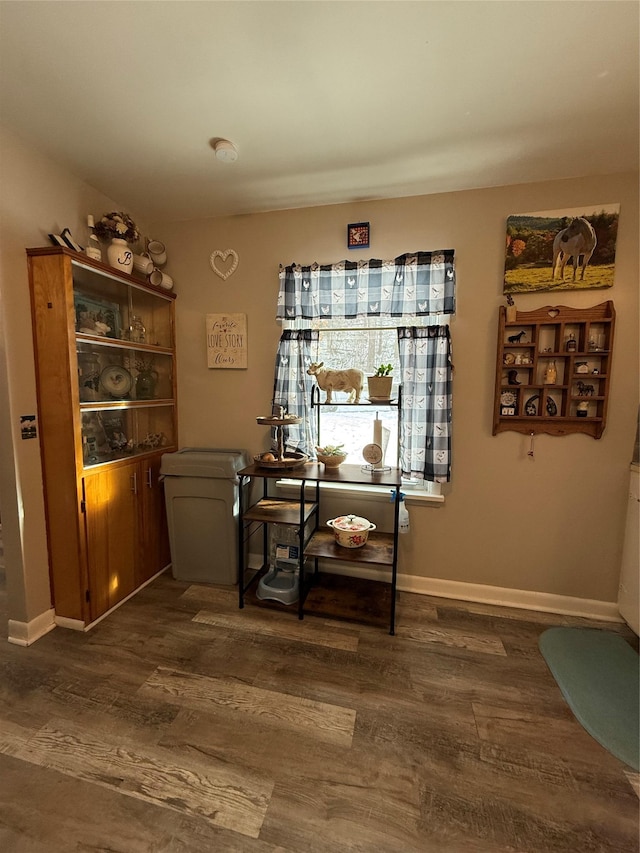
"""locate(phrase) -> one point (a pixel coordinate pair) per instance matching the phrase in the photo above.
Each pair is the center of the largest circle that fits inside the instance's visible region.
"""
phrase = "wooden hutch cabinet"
(105, 370)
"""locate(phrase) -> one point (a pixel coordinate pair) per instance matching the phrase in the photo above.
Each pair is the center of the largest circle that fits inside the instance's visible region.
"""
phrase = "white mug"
(161, 279)
(158, 252)
(143, 263)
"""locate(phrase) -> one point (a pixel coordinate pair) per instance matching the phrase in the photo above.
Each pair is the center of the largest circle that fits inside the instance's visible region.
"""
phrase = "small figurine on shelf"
(517, 338)
(582, 410)
(511, 309)
(350, 380)
(585, 390)
(512, 377)
(551, 374)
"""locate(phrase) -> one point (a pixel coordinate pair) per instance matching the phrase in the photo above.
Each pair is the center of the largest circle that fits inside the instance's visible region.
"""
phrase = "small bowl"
(332, 461)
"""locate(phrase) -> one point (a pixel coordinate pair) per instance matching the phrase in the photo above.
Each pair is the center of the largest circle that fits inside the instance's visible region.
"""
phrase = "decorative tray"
(289, 461)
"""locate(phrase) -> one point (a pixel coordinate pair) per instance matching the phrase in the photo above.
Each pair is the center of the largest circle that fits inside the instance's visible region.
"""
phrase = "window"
(364, 349)
(363, 299)
(366, 344)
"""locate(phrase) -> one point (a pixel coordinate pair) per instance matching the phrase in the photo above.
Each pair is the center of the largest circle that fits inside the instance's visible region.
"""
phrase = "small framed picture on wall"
(358, 235)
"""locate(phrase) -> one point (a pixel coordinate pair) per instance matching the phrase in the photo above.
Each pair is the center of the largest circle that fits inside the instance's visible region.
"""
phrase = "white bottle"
(403, 516)
(92, 249)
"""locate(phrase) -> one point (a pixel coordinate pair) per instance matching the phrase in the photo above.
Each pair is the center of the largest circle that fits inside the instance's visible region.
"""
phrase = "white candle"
(377, 431)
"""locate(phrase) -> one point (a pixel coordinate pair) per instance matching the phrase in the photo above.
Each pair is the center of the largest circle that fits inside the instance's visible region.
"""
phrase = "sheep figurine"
(350, 380)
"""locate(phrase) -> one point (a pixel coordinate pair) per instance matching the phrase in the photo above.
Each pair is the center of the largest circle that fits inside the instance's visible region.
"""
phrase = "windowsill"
(291, 488)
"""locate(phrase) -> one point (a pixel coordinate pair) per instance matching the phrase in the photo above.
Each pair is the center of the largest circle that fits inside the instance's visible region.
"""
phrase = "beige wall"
(37, 197)
(554, 524)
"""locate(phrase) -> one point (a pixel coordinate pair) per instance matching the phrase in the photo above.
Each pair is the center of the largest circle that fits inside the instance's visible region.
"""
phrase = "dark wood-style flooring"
(181, 723)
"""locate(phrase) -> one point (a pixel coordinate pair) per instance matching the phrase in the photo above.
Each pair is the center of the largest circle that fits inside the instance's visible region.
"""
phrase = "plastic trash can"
(201, 488)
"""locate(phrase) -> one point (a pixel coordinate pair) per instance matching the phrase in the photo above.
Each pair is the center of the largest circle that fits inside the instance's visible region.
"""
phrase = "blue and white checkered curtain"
(425, 363)
(411, 285)
(292, 387)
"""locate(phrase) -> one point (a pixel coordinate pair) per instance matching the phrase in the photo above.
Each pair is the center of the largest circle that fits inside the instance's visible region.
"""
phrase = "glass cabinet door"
(111, 373)
(124, 339)
(109, 308)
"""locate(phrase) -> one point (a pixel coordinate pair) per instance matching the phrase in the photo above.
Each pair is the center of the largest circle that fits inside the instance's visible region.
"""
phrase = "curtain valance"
(413, 284)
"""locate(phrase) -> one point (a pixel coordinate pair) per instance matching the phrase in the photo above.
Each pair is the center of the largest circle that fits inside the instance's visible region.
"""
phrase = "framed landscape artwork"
(573, 249)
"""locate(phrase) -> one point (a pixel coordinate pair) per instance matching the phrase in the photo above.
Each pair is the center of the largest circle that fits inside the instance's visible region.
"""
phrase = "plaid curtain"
(292, 387)
(415, 284)
(425, 363)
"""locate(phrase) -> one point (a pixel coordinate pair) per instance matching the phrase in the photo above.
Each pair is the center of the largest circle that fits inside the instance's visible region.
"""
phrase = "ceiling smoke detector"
(225, 151)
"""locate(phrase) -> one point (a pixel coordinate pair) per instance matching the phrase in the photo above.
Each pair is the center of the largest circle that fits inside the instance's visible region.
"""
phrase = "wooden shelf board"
(278, 511)
(378, 550)
(533, 419)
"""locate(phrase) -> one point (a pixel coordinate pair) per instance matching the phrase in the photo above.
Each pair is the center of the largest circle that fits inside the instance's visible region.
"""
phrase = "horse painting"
(576, 241)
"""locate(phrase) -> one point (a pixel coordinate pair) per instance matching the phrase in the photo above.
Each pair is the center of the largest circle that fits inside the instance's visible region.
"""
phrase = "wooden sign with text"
(227, 340)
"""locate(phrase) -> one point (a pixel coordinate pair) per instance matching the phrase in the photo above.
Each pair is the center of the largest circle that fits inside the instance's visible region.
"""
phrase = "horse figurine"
(585, 390)
(516, 339)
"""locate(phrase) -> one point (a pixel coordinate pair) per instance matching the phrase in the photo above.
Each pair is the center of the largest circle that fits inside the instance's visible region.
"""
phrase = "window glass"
(363, 343)
(353, 426)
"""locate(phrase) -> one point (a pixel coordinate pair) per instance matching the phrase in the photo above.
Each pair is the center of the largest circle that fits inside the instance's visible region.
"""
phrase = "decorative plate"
(372, 454)
(116, 381)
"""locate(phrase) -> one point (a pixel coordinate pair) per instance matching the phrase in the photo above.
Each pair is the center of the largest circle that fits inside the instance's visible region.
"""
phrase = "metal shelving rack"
(381, 548)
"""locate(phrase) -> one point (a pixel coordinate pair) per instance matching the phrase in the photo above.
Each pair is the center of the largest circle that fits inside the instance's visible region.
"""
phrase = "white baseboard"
(79, 625)
(73, 624)
(522, 599)
(25, 633)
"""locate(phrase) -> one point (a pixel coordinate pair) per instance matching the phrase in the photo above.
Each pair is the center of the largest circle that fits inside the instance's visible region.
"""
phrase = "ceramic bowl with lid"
(351, 531)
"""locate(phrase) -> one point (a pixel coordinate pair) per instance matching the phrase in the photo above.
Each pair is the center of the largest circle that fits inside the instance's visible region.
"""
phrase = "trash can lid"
(204, 462)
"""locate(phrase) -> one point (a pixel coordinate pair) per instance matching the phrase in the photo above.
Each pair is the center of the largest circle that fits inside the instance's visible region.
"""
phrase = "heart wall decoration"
(218, 260)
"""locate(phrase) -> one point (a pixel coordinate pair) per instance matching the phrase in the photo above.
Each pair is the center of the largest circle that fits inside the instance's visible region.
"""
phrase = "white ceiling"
(328, 102)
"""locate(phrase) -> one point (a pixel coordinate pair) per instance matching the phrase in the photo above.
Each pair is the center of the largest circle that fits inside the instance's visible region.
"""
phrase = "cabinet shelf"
(99, 405)
(557, 408)
(119, 343)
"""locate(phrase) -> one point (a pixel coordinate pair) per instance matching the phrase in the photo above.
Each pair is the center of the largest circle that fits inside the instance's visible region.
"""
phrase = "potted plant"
(380, 383)
(331, 455)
